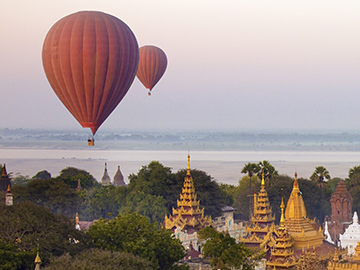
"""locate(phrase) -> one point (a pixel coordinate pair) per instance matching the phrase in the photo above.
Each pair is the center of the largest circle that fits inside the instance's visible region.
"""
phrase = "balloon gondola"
(90, 59)
(152, 66)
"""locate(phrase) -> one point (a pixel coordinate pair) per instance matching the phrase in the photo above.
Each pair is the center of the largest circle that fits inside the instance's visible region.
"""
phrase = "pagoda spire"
(188, 215)
(263, 181)
(282, 219)
(37, 260)
(4, 173)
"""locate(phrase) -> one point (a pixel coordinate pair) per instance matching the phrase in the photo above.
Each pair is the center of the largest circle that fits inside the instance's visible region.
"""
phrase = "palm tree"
(268, 170)
(250, 169)
(319, 175)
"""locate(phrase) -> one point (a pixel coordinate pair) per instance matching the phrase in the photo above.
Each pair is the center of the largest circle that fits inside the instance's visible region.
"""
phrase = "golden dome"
(295, 208)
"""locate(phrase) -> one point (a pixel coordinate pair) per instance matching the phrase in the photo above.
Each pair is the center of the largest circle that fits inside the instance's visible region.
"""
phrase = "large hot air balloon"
(152, 65)
(90, 59)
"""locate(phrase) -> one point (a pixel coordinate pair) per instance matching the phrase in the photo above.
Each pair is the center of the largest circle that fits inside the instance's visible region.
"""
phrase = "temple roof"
(295, 208)
(188, 214)
(119, 178)
(105, 180)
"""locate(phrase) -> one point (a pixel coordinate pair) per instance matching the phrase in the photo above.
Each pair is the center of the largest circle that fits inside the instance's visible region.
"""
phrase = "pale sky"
(232, 64)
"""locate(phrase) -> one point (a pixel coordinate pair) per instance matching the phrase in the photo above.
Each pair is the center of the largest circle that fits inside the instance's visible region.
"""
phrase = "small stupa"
(119, 178)
(351, 236)
(8, 197)
(105, 180)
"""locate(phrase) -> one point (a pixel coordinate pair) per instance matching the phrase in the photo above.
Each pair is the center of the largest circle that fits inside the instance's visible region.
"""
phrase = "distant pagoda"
(261, 221)
(298, 224)
(105, 180)
(5, 180)
(119, 178)
(188, 215)
(282, 251)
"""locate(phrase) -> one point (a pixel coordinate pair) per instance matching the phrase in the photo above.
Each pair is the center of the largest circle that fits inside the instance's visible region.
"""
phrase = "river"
(223, 166)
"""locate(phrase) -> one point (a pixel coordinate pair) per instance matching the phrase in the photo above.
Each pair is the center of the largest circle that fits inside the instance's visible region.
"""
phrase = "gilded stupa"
(282, 251)
(188, 215)
(298, 224)
(261, 221)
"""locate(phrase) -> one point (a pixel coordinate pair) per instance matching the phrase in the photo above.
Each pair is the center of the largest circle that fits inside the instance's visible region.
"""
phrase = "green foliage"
(27, 224)
(225, 253)
(96, 259)
(133, 233)
(241, 198)
(319, 176)
(147, 205)
(11, 257)
(45, 175)
(53, 194)
(20, 180)
(269, 172)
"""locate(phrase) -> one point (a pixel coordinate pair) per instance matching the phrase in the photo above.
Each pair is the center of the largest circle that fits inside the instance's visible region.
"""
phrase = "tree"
(241, 201)
(269, 172)
(27, 225)
(319, 176)
(95, 259)
(158, 180)
(133, 233)
(45, 175)
(13, 258)
(224, 252)
(147, 205)
(250, 169)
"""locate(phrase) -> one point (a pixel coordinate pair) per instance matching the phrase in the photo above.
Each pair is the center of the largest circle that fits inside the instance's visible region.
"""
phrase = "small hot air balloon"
(152, 65)
(90, 59)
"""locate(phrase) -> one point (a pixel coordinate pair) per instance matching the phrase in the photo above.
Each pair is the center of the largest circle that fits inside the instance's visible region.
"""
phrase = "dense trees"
(95, 259)
(26, 225)
(225, 253)
(133, 233)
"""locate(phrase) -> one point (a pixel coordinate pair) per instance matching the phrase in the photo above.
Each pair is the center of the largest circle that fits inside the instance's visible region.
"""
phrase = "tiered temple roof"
(261, 221)
(282, 251)
(298, 224)
(188, 215)
(5, 180)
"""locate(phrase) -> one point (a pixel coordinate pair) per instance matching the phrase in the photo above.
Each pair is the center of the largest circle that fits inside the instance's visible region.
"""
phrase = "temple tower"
(341, 211)
(119, 178)
(261, 221)
(8, 197)
(105, 180)
(5, 180)
(188, 216)
(282, 252)
(298, 224)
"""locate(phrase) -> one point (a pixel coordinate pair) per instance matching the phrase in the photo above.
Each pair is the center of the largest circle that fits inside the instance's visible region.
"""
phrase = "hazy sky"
(232, 64)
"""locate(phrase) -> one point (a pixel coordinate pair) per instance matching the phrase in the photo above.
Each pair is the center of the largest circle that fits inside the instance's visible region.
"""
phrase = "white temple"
(351, 236)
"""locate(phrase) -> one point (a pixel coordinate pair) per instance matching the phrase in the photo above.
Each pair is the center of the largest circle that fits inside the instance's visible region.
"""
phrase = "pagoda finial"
(188, 165)
(4, 173)
(37, 259)
(282, 219)
(263, 180)
(9, 190)
(77, 218)
(296, 184)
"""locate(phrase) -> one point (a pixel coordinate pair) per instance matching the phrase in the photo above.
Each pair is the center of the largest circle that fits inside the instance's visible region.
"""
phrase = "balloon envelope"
(90, 59)
(152, 65)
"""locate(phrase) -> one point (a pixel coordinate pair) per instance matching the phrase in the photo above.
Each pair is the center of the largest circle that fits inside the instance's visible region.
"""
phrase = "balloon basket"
(91, 142)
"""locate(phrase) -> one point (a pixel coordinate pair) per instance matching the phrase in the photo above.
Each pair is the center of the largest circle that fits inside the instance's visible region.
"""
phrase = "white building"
(351, 236)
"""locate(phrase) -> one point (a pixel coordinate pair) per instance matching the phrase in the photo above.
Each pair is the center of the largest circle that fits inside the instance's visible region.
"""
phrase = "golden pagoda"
(298, 224)
(188, 215)
(282, 251)
(261, 221)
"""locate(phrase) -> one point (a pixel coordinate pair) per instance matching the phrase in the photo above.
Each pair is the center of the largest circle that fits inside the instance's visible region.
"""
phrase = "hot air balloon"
(152, 65)
(90, 59)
